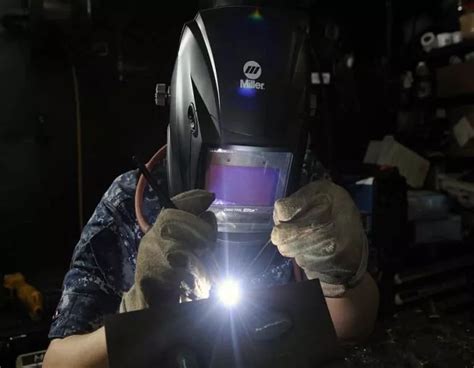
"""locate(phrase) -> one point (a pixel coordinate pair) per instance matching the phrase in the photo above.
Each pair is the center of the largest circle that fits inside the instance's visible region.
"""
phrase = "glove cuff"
(338, 290)
(132, 300)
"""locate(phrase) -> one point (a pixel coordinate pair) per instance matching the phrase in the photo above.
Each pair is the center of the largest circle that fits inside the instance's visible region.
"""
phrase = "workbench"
(412, 339)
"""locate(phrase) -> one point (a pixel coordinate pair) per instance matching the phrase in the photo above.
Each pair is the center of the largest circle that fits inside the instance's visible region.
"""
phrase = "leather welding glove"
(169, 265)
(320, 227)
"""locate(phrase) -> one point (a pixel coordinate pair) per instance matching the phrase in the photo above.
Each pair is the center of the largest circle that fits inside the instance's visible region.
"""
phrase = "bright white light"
(229, 292)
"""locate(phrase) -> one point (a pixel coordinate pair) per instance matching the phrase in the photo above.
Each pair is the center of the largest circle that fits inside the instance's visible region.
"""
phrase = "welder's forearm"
(355, 313)
(78, 351)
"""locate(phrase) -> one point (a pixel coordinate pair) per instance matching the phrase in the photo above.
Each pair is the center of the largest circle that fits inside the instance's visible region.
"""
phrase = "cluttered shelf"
(442, 69)
(462, 50)
(420, 223)
(438, 273)
(436, 156)
(425, 254)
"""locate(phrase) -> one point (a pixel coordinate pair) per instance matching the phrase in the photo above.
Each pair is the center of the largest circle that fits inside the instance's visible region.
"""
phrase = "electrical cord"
(157, 158)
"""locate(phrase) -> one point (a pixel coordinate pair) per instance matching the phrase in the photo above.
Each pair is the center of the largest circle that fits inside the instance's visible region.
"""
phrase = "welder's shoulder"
(116, 207)
(119, 200)
(112, 233)
(109, 241)
(122, 188)
(103, 262)
(114, 220)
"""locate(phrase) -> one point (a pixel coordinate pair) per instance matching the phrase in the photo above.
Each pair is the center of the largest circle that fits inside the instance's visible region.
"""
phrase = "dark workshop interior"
(392, 93)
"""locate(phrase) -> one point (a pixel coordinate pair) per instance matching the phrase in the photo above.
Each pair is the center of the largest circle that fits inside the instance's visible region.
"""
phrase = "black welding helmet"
(238, 114)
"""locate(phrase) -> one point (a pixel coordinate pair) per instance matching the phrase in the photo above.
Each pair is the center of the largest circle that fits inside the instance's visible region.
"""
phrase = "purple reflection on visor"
(242, 185)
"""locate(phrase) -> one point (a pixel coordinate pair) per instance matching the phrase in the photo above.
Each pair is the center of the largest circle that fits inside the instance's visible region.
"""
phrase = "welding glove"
(320, 227)
(169, 265)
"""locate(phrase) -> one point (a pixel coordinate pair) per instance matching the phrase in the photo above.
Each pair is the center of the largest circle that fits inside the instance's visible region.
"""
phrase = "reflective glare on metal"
(229, 292)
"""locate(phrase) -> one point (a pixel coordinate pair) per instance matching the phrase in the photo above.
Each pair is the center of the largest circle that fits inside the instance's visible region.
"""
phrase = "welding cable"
(157, 158)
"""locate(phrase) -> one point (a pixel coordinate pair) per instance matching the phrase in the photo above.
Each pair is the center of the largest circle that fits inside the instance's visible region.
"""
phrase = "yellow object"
(30, 297)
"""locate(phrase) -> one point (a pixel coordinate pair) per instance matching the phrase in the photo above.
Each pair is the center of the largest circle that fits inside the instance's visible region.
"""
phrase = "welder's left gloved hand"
(320, 226)
(170, 259)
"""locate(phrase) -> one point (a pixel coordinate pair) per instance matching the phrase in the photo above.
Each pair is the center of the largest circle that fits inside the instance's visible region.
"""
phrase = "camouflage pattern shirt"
(104, 260)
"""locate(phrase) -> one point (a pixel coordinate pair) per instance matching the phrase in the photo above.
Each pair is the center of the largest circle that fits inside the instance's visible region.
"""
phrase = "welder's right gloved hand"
(320, 227)
(169, 265)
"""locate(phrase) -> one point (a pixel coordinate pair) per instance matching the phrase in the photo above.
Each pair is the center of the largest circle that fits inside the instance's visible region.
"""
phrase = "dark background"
(39, 159)
(113, 60)
(118, 58)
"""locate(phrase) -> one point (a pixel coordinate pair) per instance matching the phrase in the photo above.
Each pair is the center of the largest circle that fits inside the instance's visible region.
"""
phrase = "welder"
(236, 143)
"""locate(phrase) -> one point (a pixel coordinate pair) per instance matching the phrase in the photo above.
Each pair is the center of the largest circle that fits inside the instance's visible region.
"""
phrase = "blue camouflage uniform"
(104, 260)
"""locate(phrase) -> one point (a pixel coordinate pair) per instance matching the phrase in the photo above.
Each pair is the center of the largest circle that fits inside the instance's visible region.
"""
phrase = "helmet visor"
(246, 181)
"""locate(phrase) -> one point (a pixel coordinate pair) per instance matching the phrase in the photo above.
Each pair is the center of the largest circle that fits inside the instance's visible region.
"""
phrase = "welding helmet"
(238, 114)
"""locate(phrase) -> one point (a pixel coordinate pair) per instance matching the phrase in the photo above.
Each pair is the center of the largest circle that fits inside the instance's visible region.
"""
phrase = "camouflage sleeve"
(102, 266)
(86, 296)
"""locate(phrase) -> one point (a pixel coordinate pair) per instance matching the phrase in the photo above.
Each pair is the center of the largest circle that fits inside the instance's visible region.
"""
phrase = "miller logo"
(252, 71)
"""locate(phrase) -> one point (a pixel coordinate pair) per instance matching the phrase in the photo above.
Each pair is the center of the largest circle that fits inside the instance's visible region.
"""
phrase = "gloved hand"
(168, 261)
(320, 226)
